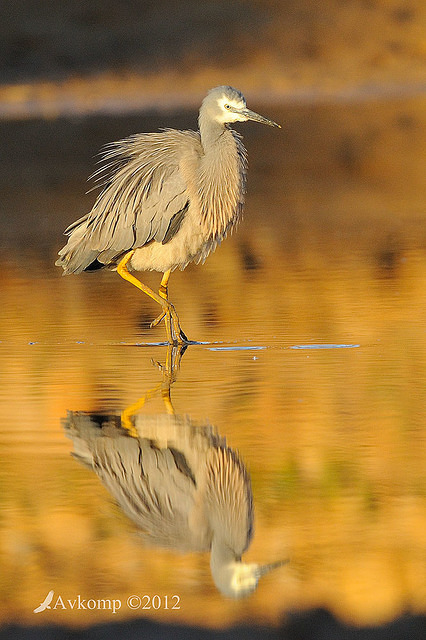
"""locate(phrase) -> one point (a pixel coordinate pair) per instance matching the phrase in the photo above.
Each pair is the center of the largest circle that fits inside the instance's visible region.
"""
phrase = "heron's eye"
(227, 106)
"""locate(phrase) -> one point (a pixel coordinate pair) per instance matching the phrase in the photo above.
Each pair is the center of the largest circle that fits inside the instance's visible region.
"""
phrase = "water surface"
(311, 363)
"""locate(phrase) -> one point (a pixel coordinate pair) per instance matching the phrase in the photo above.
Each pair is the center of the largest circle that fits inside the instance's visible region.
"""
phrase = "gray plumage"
(168, 197)
(180, 484)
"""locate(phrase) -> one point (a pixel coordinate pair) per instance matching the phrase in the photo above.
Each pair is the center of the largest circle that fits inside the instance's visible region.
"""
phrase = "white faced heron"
(178, 481)
(168, 199)
(180, 484)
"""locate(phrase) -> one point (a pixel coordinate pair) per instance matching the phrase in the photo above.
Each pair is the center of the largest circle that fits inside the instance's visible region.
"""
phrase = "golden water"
(311, 362)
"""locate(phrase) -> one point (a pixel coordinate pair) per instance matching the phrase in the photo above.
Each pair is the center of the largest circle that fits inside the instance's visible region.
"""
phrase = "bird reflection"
(178, 481)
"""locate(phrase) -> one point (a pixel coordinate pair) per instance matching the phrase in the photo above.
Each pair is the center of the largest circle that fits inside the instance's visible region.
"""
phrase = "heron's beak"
(252, 115)
(263, 569)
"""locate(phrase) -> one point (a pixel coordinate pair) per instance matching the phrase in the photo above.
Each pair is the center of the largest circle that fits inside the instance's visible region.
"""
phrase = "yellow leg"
(175, 334)
(165, 393)
(170, 370)
(164, 285)
(126, 415)
(164, 293)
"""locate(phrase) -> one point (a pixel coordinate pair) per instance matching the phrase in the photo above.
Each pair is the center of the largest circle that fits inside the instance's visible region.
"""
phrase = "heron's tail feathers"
(76, 256)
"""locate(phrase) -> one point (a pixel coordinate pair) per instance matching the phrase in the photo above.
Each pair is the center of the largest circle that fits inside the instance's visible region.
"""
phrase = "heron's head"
(226, 105)
(239, 579)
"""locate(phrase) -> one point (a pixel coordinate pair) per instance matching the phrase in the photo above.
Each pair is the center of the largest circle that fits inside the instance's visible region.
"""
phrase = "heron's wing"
(143, 198)
(84, 429)
(154, 487)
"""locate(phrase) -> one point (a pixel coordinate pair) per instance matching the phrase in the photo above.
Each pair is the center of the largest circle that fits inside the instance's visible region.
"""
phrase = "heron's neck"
(222, 560)
(225, 568)
(210, 132)
(221, 553)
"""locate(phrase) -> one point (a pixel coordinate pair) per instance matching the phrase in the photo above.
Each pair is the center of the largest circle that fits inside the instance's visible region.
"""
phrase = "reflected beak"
(252, 115)
(263, 569)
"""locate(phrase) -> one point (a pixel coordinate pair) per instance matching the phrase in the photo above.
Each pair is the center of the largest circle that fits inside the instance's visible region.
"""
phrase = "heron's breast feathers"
(222, 184)
(229, 498)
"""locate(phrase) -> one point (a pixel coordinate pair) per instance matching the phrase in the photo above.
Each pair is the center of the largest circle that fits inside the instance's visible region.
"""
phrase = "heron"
(167, 199)
(178, 481)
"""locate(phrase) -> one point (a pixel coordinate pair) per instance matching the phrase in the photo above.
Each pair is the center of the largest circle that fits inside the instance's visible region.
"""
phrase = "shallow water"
(310, 323)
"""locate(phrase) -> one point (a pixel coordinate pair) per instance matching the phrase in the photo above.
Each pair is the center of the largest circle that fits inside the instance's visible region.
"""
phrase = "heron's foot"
(171, 366)
(157, 320)
(175, 334)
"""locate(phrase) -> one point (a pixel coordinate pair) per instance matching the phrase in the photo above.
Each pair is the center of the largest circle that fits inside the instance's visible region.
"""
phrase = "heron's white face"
(244, 580)
(231, 110)
(225, 105)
